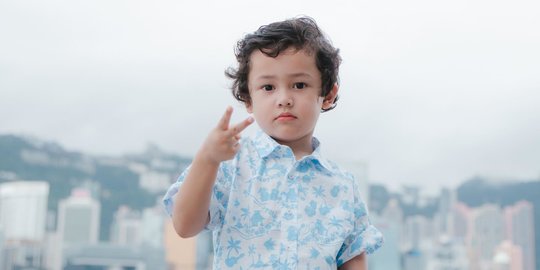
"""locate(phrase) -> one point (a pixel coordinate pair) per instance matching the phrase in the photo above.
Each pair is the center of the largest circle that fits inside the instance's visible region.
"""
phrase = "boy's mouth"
(285, 116)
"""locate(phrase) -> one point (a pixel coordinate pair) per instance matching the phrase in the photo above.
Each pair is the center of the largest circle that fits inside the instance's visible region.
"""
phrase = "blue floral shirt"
(270, 211)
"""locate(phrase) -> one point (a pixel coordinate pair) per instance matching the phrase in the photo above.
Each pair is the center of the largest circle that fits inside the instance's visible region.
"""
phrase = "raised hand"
(222, 142)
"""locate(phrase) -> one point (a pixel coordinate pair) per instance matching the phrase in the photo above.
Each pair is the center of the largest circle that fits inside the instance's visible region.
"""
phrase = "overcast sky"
(432, 92)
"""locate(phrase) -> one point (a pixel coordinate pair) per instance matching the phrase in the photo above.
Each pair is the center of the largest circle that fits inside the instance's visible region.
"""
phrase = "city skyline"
(422, 232)
(457, 236)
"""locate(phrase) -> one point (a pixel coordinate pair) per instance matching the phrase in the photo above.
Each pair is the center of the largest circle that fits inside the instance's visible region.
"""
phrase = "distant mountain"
(478, 191)
(112, 179)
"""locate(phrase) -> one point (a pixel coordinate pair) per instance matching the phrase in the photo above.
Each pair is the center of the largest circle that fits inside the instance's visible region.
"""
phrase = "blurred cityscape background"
(65, 210)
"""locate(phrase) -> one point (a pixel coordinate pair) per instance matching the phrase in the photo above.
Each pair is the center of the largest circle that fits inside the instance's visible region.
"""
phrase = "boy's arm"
(190, 211)
(357, 263)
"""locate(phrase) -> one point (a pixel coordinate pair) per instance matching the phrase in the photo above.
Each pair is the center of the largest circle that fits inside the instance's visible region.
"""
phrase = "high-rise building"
(461, 221)
(390, 224)
(127, 227)
(519, 220)
(418, 231)
(78, 218)
(142, 232)
(1, 248)
(130, 227)
(486, 232)
(78, 224)
(444, 216)
(152, 226)
(23, 209)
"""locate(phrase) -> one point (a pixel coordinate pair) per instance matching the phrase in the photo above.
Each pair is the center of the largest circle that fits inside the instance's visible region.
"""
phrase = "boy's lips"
(285, 116)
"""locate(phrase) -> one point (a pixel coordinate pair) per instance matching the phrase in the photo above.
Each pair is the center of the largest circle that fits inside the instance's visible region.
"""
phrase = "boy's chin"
(286, 138)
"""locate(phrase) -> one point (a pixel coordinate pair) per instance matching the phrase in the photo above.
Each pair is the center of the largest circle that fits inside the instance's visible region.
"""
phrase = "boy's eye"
(267, 87)
(299, 85)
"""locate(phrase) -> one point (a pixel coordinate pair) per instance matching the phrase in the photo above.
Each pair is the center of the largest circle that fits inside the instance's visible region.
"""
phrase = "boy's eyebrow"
(293, 75)
(300, 74)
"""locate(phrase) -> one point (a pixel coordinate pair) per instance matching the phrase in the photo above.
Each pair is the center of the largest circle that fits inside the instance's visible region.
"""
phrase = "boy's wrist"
(205, 157)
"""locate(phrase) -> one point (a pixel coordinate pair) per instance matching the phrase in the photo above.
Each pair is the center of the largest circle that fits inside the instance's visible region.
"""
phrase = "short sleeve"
(364, 236)
(218, 199)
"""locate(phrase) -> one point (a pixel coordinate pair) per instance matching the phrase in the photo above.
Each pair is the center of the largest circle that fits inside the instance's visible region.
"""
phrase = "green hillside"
(29, 159)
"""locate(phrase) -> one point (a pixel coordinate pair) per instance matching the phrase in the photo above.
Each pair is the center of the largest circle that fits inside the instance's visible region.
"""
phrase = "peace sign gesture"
(222, 142)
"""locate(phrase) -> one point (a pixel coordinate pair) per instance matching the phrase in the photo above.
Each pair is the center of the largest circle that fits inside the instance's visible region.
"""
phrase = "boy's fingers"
(224, 122)
(241, 126)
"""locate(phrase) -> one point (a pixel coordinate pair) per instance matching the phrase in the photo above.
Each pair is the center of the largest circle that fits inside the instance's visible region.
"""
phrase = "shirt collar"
(265, 145)
(317, 155)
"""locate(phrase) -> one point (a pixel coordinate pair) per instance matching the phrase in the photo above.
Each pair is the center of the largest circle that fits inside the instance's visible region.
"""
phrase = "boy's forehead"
(290, 60)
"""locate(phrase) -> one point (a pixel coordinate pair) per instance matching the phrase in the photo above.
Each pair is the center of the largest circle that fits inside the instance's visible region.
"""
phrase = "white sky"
(432, 92)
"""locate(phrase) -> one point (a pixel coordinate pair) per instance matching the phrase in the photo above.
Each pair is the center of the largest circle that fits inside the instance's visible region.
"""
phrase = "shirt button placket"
(292, 245)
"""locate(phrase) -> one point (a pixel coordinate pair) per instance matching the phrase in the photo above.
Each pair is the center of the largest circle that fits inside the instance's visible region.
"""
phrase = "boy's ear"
(331, 97)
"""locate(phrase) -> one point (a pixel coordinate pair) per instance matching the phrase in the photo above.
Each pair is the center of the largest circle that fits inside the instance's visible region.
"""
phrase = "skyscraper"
(141, 232)
(390, 224)
(152, 226)
(78, 223)
(486, 233)
(78, 218)
(127, 227)
(23, 209)
(461, 221)
(444, 217)
(1, 249)
(418, 231)
(519, 220)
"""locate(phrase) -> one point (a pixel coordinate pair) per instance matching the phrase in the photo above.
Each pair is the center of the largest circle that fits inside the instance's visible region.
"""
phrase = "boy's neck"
(301, 147)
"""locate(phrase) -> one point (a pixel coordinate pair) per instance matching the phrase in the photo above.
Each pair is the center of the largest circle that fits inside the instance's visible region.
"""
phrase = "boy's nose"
(285, 102)
(285, 99)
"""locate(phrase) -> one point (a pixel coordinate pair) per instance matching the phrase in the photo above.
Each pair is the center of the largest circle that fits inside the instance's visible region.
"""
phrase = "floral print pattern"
(271, 211)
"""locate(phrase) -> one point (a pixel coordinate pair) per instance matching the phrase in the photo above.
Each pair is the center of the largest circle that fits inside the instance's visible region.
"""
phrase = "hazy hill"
(110, 178)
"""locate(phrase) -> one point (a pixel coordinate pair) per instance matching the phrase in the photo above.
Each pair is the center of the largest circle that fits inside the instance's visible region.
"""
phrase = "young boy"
(273, 201)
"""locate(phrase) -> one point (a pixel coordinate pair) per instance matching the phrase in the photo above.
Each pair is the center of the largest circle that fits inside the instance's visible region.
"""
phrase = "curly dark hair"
(298, 33)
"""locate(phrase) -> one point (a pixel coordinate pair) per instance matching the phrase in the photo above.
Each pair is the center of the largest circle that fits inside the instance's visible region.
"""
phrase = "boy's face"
(285, 94)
